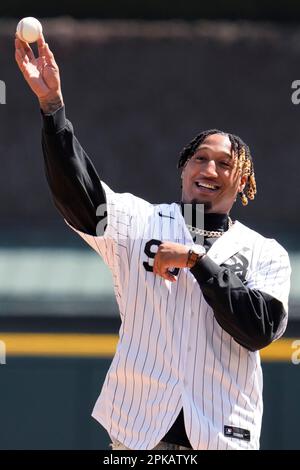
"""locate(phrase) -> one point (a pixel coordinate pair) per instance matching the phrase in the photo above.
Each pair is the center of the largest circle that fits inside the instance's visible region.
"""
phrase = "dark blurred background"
(281, 10)
(140, 79)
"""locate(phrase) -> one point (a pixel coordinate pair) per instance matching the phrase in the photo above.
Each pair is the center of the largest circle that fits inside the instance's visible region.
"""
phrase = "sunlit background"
(140, 79)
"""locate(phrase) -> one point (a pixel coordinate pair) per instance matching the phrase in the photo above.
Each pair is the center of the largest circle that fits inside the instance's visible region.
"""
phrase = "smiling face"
(209, 176)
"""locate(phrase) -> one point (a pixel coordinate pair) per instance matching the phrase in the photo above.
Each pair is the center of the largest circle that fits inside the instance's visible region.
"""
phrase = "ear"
(243, 183)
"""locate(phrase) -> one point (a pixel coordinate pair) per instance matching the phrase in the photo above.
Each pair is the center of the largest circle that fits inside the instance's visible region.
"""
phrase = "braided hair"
(239, 148)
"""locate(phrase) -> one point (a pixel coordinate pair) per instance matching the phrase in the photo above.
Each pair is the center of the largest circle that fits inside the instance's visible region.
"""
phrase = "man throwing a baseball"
(197, 303)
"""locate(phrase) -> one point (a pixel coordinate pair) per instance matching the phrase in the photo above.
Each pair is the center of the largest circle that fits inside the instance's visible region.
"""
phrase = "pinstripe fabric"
(172, 352)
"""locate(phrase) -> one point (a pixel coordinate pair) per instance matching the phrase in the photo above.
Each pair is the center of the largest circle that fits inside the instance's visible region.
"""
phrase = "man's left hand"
(170, 255)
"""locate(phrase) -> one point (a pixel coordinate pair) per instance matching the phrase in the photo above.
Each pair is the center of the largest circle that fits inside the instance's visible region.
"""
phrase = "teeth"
(206, 185)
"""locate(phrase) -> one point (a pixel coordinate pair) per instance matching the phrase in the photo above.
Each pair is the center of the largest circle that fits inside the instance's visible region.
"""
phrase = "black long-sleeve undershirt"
(72, 178)
(250, 316)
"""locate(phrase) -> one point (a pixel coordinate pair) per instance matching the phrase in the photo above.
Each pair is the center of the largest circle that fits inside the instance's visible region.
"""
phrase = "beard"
(207, 204)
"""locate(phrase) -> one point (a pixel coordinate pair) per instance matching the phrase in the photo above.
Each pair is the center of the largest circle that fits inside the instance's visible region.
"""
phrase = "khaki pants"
(116, 445)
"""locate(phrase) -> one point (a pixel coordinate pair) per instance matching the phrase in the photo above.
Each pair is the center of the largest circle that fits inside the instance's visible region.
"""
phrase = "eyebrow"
(206, 147)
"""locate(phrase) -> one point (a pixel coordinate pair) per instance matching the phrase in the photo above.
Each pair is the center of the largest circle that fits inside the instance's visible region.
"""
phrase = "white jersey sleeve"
(272, 275)
(121, 217)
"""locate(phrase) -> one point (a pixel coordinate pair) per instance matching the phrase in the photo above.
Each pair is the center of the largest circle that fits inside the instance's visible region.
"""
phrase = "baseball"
(29, 29)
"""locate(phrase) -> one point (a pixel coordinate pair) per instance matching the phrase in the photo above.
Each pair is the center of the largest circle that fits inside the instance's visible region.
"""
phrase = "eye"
(200, 158)
(225, 164)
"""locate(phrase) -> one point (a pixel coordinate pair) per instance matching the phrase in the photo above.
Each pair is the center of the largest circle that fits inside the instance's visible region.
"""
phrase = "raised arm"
(41, 73)
(72, 178)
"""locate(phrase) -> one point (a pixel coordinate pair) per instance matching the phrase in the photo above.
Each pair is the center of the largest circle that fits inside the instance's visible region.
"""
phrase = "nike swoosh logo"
(167, 216)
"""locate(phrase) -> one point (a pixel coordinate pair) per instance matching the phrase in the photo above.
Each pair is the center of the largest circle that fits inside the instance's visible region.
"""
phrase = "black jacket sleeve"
(250, 316)
(75, 185)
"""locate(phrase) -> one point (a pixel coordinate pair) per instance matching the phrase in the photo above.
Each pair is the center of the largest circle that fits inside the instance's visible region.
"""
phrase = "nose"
(210, 169)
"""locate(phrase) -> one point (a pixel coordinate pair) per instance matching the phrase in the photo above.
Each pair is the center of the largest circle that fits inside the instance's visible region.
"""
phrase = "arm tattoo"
(51, 105)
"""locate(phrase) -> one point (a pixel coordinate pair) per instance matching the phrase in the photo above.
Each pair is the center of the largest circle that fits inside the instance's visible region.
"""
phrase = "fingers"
(161, 267)
(19, 48)
(24, 48)
(169, 277)
(41, 45)
(45, 54)
(21, 58)
(41, 41)
(164, 273)
(45, 50)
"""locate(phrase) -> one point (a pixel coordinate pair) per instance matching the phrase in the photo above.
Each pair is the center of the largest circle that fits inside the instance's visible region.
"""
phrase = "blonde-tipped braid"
(251, 191)
(246, 165)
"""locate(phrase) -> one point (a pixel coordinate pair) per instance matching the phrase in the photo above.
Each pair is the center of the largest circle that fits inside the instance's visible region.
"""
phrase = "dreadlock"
(238, 147)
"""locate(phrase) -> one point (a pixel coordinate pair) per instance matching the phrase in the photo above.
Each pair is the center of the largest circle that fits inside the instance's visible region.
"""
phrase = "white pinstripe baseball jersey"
(171, 351)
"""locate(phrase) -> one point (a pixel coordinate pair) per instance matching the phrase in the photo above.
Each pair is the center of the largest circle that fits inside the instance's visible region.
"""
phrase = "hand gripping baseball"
(41, 73)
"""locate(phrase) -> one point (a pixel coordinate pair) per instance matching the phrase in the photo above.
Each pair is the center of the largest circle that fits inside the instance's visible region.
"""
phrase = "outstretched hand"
(41, 73)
